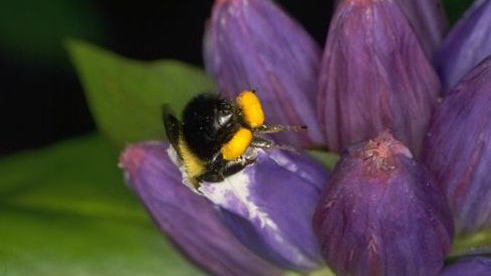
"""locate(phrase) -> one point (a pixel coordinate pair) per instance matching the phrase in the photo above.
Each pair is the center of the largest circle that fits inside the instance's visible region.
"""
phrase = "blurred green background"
(64, 208)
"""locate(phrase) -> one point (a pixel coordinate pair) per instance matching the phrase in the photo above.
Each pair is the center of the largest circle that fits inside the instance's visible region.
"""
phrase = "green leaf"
(322, 272)
(467, 243)
(329, 159)
(32, 31)
(64, 210)
(126, 96)
(456, 8)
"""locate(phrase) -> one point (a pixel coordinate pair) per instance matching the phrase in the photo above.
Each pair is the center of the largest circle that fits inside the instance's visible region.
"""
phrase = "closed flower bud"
(428, 20)
(375, 76)
(382, 214)
(458, 149)
(469, 266)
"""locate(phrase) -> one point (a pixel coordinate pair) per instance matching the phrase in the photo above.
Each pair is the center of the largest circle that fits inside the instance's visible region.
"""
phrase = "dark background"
(41, 99)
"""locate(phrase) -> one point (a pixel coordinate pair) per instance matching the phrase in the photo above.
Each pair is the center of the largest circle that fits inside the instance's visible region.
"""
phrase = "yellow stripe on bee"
(237, 145)
(251, 108)
(193, 165)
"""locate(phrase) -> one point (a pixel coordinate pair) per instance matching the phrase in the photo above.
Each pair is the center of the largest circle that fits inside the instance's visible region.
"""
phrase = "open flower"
(375, 74)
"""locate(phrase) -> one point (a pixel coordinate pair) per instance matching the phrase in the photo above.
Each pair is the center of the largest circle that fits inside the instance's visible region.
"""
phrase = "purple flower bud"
(468, 43)
(189, 220)
(254, 44)
(428, 20)
(382, 214)
(374, 76)
(458, 149)
(269, 207)
(469, 266)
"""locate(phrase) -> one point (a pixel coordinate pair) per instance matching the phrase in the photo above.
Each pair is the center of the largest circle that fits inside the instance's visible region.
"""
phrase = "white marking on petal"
(233, 194)
(283, 161)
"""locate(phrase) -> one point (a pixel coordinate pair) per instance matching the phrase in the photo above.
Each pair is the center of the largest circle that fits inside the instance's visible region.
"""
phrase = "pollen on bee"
(251, 108)
(237, 145)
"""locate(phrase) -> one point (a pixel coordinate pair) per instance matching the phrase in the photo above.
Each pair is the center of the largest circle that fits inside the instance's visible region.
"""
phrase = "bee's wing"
(172, 126)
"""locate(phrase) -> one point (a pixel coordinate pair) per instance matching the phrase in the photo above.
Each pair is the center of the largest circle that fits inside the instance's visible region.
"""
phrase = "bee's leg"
(259, 142)
(263, 143)
(218, 168)
(264, 129)
(214, 169)
(211, 176)
(232, 167)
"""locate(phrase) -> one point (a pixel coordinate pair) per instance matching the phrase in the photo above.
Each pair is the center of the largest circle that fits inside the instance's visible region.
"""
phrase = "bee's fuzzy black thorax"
(209, 121)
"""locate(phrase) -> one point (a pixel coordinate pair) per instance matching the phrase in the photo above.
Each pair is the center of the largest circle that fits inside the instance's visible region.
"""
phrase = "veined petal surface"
(375, 76)
(383, 214)
(269, 206)
(458, 149)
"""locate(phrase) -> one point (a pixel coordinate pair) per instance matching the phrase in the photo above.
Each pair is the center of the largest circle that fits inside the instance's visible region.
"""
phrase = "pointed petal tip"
(386, 145)
(131, 157)
(220, 3)
(427, 18)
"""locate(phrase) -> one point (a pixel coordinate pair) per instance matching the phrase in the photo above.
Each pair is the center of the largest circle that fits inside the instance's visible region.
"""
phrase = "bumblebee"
(217, 137)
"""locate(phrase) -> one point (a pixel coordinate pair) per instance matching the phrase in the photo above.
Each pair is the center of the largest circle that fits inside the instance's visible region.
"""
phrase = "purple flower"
(375, 74)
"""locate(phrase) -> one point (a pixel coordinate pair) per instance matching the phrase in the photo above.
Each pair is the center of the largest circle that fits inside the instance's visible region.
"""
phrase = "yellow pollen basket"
(251, 108)
(237, 145)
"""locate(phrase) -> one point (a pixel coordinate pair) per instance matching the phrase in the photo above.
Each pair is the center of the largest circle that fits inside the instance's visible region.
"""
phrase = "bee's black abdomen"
(209, 121)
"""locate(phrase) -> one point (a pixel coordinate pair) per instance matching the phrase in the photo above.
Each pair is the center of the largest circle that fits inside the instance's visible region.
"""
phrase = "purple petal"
(382, 214)
(429, 22)
(269, 206)
(467, 44)
(254, 44)
(189, 220)
(374, 76)
(469, 266)
(458, 149)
